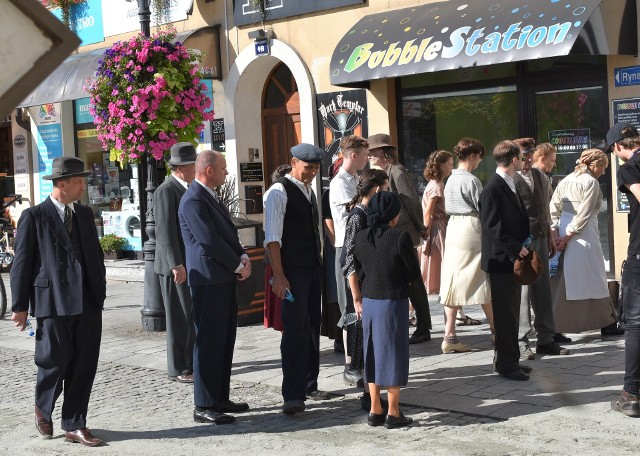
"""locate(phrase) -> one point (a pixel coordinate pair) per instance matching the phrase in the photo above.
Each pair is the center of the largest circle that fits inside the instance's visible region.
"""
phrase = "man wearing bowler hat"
(292, 240)
(170, 262)
(58, 276)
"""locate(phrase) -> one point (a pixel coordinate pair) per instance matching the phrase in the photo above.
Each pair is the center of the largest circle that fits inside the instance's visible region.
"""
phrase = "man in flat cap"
(58, 276)
(170, 262)
(293, 244)
(623, 140)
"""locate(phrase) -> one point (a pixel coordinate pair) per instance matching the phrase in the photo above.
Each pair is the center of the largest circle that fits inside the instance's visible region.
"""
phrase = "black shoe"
(338, 346)
(419, 336)
(211, 416)
(397, 421)
(291, 407)
(627, 404)
(318, 395)
(365, 403)
(561, 338)
(360, 383)
(351, 377)
(376, 420)
(232, 407)
(526, 369)
(614, 329)
(517, 374)
(551, 348)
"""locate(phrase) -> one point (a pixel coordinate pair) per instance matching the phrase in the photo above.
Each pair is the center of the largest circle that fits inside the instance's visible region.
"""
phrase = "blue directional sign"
(626, 76)
(262, 47)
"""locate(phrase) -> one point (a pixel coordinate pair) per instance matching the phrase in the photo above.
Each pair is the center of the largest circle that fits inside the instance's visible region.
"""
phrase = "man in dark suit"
(505, 226)
(215, 260)
(58, 275)
(170, 263)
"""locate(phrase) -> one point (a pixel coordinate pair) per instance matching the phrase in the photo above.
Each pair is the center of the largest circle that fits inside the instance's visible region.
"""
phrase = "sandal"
(467, 321)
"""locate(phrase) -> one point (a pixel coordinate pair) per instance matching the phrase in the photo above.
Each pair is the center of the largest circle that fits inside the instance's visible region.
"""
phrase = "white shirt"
(184, 183)
(60, 207)
(528, 178)
(275, 207)
(215, 197)
(508, 179)
(342, 189)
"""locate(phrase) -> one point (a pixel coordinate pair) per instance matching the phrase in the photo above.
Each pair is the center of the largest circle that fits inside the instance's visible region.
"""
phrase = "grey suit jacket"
(169, 242)
(536, 202)
(400, 182)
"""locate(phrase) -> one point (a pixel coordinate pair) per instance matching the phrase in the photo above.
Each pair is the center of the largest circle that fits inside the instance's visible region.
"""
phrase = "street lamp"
(153, 316)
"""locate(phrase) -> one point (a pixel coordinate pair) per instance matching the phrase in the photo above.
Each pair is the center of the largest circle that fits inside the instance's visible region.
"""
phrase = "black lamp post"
(153, 317)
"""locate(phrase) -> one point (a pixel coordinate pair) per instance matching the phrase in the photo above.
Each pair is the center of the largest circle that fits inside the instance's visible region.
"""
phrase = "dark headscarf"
(383, 207)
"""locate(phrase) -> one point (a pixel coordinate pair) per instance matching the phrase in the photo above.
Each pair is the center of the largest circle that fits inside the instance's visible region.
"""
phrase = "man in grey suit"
(170, 262)
(58, 275)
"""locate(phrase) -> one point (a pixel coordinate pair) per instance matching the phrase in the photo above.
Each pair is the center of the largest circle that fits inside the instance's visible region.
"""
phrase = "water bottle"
(287, 293)
(554, 265)
(527, 242)
(29, 329)
(350, 318)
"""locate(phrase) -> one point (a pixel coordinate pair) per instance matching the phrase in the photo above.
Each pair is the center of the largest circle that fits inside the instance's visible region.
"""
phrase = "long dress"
(580, 292)
(431, 251)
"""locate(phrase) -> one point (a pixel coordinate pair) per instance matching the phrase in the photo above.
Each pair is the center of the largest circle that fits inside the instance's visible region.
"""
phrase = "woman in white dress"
(580, 293)
(462, 282)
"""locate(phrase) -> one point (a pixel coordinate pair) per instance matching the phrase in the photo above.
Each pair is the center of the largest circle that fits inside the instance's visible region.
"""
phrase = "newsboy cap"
(307, 153)
(182, 153)
(63, 167)
(380, 140)
(618, 132)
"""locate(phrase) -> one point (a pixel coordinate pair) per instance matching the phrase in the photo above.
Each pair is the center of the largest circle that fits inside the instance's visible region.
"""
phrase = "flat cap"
(307, 153)
(618, 132)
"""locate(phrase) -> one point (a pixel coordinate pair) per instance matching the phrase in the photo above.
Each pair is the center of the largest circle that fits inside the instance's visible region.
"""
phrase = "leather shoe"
(291, 407)
(551, 348)
(375, 419)
(627, 404)
(232, 407)
(561, 338)
(392, 422)
(43, 426)
(201, 415)
(184, 378)
(614, 329)
(365, 403)
(351, 377)
(318, 395)
(420, 336)
(526, 369)
(517, 374)
(84, 437)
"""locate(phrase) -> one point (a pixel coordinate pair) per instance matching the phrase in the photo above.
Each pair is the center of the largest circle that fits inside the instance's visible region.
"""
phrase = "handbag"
(528, 269)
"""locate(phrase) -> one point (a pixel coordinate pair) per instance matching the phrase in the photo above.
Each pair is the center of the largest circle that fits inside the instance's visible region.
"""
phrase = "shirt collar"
(508, 179)
(184, 183)
(59, 206)
(210, 190)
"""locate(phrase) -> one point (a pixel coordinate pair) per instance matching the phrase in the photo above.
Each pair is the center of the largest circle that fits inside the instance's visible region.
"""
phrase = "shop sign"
(340, 114)
(121, 16)
(251, 172)
(245, 11)
(626, 76)
(218, 135)
(570, 141)
(86, 20)
(456, 34)
(81, 109)
(19, 141)
(48, 142)
(626, 110)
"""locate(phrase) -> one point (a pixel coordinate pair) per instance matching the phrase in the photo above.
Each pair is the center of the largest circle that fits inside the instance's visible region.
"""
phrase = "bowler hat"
(618, 132)
(528, 269)
(380, 140)
(63, 167)
(182, 153)
(307, 153)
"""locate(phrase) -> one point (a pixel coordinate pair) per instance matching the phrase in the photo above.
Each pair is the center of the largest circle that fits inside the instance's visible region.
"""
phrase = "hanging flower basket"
(147, 96)
(65, 7)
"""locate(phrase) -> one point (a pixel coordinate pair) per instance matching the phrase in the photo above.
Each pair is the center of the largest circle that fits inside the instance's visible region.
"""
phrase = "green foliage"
(112, 243)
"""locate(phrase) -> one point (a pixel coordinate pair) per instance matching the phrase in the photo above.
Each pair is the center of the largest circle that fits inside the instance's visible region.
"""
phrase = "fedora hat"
(380, 140)
(182, 153)
(66, 167)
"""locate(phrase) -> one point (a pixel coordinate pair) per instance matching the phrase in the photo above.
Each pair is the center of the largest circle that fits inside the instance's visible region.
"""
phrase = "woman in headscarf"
(580, 293)
(386, 263)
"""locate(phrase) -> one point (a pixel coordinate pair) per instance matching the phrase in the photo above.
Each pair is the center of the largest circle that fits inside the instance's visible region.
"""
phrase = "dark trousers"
(181, 335)
(631, 319)
(215, 314)
(66, 353)
(420, 301)
(505, 299)
(300, 346)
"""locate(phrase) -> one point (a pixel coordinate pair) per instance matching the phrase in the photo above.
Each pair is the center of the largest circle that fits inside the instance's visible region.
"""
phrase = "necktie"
(68, 220)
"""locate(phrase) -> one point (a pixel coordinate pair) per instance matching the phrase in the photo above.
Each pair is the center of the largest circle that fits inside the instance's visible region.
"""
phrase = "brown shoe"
(43, 426)
(185, 378)
(84, 437)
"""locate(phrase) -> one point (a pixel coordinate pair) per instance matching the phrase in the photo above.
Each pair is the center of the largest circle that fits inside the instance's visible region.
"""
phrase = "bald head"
(211, 168)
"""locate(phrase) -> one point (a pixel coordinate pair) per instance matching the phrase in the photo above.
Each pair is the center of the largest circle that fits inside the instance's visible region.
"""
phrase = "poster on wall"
(48, 142)
(340, 114)
(121, 16)
(625, 110)
(569, 143)
(85, 20)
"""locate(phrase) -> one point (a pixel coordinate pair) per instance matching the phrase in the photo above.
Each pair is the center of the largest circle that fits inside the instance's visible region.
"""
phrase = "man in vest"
(293, 244)
(533, 187)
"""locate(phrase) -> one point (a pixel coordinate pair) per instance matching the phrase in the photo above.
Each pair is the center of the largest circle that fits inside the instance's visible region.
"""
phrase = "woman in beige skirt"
(462, 281)
(579, 291)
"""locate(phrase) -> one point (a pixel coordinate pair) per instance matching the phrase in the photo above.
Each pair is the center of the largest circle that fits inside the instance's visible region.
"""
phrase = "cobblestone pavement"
(460, 407)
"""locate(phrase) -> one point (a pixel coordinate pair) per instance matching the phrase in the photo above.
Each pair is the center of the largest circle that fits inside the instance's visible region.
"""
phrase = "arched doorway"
(281, 127)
